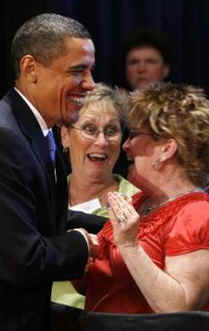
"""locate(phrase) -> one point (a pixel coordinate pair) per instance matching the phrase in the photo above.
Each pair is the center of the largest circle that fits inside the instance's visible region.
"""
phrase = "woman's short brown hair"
(178, 111)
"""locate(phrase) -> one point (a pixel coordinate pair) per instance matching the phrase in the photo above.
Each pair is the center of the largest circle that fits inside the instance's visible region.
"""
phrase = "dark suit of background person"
(35, 248)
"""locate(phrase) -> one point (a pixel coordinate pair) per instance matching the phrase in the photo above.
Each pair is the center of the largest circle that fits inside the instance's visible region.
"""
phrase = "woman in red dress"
(153, 254)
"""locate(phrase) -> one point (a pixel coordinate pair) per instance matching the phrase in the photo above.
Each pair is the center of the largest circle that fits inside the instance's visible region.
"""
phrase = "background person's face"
(62, 85)
(144, 65)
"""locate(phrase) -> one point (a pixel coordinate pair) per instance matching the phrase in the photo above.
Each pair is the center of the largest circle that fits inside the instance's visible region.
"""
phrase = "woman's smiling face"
(142, 150)
(95, 140)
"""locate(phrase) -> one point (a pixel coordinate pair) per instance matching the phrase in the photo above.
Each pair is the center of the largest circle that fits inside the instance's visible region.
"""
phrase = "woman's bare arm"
(183, 285)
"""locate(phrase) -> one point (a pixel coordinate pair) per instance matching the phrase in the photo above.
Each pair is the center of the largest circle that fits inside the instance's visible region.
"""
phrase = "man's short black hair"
(156, 39)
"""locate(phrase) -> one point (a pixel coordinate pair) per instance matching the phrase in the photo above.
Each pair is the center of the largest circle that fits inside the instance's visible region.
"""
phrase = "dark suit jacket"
(92, 223)
(34, 247)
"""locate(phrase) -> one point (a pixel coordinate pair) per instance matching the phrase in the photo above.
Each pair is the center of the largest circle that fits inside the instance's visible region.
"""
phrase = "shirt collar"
(36, 113)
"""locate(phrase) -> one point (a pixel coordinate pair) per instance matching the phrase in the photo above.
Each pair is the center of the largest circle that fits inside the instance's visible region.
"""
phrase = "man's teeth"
(78, 100)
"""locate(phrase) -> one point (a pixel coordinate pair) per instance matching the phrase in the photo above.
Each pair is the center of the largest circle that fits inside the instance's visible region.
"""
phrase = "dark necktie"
(52, 147)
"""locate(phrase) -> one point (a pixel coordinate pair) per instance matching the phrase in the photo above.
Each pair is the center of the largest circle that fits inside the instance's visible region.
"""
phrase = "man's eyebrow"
(80, 67)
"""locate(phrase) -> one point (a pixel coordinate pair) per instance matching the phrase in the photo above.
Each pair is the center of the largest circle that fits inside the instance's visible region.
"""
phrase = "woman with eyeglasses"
(153, 254)
(94, 144)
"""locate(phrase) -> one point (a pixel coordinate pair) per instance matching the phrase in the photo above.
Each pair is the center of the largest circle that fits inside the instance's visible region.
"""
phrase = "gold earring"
(156, 164)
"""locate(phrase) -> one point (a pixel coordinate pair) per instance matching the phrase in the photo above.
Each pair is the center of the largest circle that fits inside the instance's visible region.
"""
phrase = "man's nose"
(141, 67)
(88, 82)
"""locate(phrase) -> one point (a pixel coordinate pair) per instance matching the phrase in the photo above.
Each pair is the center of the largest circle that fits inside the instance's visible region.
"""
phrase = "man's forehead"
(85, 44)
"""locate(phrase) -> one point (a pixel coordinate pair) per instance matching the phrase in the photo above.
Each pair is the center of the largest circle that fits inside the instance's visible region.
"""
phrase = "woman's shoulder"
(190, 225)
(191, 203)
(191, 210)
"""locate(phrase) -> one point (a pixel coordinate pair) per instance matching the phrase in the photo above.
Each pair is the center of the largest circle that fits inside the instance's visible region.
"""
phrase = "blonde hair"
(106, 95)
(178, 111)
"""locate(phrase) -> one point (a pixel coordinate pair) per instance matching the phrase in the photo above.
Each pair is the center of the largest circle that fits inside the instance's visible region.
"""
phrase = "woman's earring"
(156, 164)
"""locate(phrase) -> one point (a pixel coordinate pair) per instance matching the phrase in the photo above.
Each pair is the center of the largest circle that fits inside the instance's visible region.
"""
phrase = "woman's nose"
(126, 145)
(101, 139)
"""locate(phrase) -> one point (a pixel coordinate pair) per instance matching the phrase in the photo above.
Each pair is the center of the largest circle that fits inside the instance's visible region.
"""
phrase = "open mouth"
(97, 157)
(75, 103)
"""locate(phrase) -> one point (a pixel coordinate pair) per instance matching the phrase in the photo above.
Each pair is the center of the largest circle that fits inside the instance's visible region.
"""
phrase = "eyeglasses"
(133, 133)
(92, 132)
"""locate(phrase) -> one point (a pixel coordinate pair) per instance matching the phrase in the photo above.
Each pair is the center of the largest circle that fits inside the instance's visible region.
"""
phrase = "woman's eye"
(90, 130)
(111, 131)
(132, 134)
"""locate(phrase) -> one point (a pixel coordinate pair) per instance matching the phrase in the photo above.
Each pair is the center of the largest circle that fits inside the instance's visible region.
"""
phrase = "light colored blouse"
(63, 292)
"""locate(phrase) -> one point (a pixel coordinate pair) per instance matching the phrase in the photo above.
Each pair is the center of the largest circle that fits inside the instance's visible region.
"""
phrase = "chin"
(143, 85)
(71, 117)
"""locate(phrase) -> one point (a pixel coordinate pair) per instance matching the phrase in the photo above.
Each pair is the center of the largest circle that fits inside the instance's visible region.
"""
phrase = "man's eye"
(133, 62)
(76, 72)
(151, 61)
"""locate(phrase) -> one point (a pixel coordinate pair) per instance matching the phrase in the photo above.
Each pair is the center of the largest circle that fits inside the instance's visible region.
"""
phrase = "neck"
(167, 183)
(168, 191)
(163, 195)
(81, 190)
(149, 205)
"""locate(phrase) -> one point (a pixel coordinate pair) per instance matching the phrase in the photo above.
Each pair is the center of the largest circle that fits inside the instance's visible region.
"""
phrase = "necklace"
(147, 209)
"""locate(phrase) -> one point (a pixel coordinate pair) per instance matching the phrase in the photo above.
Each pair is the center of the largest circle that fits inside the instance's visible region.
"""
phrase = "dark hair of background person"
(140, 38)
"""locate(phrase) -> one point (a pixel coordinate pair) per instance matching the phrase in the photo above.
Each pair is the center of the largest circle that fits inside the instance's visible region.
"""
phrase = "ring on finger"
(122, 218)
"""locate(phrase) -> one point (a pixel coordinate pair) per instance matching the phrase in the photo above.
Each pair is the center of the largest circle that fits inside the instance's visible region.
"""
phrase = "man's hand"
(91, 239)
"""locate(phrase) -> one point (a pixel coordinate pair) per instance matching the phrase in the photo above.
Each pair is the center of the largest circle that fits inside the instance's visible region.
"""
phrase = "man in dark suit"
(53, 58)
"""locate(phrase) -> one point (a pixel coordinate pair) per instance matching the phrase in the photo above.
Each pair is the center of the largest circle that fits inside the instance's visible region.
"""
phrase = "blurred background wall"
(109, 21)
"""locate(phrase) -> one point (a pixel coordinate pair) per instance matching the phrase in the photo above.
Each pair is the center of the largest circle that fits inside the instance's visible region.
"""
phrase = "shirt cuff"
(83, 234)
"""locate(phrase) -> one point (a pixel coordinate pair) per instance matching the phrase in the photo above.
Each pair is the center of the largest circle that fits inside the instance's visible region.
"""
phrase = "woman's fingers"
(124, 219)
(121, 207)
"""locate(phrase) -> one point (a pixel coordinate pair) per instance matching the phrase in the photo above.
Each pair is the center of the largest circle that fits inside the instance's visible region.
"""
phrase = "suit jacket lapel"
(32, 131)
(57, 191)
(62, 192)
(29, 127)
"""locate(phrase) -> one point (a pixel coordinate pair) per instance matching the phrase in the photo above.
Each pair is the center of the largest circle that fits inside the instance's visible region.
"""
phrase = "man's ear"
(65, 137)
(28, 68)
(166, 71)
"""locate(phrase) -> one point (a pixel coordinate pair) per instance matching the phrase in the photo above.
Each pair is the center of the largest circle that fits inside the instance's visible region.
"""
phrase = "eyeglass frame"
(134, 133)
